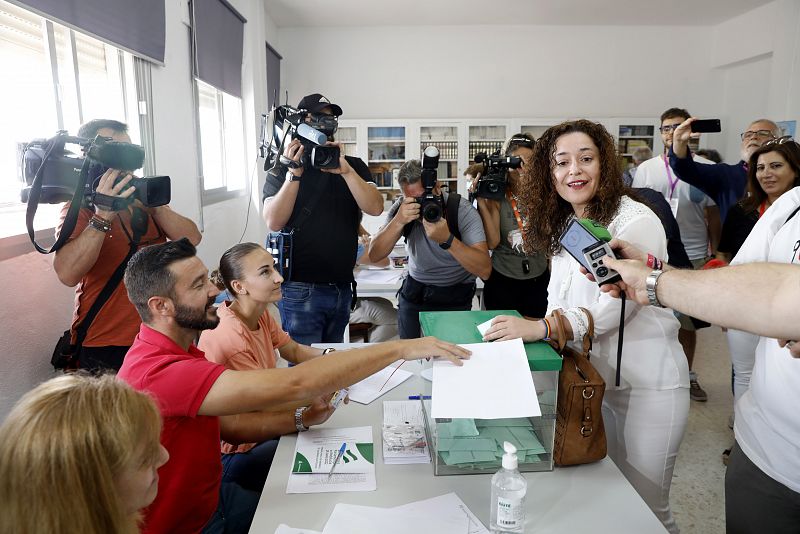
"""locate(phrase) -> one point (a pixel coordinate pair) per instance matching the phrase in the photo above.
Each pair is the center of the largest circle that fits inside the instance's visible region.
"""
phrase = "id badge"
(673, 205)
(515, 239)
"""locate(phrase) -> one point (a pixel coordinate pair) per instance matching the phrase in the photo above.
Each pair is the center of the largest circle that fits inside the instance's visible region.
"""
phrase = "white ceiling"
(360, 13)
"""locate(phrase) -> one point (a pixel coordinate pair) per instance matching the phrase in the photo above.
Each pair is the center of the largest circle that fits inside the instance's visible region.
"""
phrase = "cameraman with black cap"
(323, 207)
(99, 243)
(442, 266)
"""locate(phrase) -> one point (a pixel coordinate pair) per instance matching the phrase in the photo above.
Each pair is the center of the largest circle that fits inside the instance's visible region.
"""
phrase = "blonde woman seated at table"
(79, 454)
(246, 339)
(378, 311)
(574, 173)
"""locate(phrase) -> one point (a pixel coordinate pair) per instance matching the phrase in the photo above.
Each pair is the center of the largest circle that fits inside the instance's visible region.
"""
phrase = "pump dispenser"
(508, 495)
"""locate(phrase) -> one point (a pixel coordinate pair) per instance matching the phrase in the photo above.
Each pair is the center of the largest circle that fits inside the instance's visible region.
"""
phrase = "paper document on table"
(316, 452)
(494, 383)
(443, 514)
(285, 529)
(404, 440)
(380, 276)
(376, 385)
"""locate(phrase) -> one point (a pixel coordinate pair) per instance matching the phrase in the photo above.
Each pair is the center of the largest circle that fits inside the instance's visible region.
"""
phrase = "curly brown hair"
(548, 213)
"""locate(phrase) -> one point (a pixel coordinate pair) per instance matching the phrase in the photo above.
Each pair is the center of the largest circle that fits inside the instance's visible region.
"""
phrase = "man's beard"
(194, 319)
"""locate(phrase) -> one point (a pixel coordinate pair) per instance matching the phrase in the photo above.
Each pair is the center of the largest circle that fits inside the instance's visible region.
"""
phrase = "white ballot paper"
(317, 451)
(494, 383)
(483, 327)
(376, 385)
(440, 515)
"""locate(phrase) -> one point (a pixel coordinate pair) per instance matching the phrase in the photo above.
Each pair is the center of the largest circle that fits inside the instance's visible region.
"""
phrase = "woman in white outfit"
(574, 173)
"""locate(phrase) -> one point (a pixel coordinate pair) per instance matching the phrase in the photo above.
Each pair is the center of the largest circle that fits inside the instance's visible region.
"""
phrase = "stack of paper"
(316, 453)
(376, 385)
(439, 515)
(404, 439)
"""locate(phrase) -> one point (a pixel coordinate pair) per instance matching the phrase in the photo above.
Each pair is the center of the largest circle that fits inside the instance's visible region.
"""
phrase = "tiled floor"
(698, 495)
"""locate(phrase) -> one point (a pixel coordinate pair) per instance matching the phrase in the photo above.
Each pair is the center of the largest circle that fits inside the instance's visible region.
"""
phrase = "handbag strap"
(109, 288)
(561, 325)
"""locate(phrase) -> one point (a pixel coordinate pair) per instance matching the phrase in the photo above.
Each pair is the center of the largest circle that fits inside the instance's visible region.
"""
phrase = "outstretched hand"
(505, 327)
(428, 347)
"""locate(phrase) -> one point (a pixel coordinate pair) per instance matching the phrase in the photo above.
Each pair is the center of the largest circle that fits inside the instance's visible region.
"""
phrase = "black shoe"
(696, 392)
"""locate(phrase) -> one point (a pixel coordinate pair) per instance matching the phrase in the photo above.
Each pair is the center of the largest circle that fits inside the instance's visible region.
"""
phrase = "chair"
(360, 330)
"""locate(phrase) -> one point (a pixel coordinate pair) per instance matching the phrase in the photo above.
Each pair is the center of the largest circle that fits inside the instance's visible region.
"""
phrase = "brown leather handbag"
(580, 436)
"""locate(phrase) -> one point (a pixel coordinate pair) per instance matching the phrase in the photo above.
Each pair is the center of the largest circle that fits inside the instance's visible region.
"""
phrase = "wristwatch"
(291, 177)
(446, 244)
(298, 419)
(651, 283)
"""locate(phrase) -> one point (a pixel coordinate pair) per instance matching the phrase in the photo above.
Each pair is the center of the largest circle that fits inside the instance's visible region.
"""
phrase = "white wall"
(501, 71)
(38, 308)
(758, 55)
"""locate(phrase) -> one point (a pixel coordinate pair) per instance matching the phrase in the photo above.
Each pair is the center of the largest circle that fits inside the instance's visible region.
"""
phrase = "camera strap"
(138, 230)
(72, 214)
(451, 214)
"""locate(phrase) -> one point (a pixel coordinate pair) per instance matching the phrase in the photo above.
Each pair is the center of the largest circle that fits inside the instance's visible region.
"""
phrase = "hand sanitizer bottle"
(508, 495)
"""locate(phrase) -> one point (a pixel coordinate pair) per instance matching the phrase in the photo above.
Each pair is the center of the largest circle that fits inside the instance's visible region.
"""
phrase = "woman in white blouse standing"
(574, 173)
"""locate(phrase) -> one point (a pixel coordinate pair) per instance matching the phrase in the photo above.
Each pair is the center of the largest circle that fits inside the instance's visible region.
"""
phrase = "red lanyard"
(762, 208)
(513, 203)
(672, 183)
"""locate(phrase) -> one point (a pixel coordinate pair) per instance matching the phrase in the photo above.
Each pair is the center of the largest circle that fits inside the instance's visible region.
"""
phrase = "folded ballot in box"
(474, 445)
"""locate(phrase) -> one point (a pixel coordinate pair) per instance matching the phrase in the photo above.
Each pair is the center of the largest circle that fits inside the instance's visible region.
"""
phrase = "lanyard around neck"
(673, 182)
(513, 202)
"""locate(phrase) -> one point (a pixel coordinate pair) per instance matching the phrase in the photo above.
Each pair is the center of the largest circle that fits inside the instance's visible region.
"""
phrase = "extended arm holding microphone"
(770, 292)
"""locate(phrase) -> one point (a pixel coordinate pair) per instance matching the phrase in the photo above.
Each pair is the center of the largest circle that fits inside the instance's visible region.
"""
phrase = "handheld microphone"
(312, 134)
(116, 155)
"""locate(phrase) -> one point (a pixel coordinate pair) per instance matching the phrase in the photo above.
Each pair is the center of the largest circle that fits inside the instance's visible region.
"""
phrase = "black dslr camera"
(289, 123)
(60, 172)
(431, 206)
(494, 178)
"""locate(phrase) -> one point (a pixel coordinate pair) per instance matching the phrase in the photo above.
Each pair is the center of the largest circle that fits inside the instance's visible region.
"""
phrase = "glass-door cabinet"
(386, 152)
(445, 138)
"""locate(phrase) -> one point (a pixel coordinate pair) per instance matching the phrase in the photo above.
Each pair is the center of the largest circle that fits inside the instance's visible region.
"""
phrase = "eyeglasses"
(750, 134)
(780, 140)
(668, 128)
(515, 142)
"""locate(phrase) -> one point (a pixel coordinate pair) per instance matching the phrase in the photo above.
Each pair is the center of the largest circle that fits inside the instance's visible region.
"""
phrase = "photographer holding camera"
(321, 208)
(518, 280)
(99, 243)
(442, 266)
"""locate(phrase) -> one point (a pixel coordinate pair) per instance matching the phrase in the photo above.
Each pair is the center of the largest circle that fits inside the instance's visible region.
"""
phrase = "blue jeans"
(235, 510)
(249, 469)
(315, 313)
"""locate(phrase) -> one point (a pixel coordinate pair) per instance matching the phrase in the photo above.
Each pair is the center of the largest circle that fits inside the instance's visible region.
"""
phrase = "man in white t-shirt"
(691, 208)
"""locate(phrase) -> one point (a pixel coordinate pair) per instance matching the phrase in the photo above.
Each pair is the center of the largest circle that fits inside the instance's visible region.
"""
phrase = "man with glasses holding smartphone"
(99, 243)
(691, 209)
(723, 182)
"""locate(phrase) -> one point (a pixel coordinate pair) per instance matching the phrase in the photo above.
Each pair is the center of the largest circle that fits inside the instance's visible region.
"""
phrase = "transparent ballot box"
(475, 446)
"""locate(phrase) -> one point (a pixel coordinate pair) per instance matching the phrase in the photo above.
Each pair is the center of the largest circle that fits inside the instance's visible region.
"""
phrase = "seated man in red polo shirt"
(169, 286)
